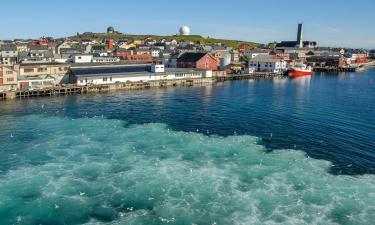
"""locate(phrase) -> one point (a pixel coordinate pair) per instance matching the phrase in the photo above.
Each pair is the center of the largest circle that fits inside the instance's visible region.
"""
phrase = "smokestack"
(300, 36)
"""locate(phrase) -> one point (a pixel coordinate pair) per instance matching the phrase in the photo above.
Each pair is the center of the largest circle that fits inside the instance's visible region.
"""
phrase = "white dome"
(184, 30)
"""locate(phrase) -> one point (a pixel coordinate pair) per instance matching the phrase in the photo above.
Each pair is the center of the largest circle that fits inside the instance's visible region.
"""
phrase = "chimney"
(300, 36)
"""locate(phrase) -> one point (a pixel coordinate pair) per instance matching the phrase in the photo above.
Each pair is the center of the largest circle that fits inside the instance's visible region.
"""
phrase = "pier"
(257, 75)
(44, 92)
(3, 95)
(145, 85)
(335, 69)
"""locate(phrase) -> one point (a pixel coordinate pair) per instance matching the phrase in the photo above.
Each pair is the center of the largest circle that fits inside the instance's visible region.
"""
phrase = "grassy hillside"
(193, 38)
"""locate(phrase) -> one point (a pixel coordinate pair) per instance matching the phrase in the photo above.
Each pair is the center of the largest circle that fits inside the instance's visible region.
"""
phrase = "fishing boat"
(300, 70)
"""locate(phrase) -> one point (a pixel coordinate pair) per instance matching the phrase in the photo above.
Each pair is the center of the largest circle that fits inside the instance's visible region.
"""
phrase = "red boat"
(300, 70)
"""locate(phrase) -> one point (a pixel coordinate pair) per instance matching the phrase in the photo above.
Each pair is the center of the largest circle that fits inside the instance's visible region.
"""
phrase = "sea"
(268, 151)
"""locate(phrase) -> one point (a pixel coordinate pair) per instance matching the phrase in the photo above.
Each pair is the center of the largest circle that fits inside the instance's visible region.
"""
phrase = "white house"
(155, 52)
(105, 59)
(253, 53)
(82, 58)
(267, 65)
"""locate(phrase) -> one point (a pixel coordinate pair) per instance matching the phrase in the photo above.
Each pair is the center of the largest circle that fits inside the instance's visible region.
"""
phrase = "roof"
(191, 56)
(117, 70)
(8, 48)
(260, 59)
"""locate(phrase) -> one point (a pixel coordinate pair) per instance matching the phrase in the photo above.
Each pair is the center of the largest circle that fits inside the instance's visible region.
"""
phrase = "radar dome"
(184, 30)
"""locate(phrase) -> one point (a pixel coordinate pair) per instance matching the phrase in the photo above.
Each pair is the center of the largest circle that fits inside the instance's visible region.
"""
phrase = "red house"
(197, 60)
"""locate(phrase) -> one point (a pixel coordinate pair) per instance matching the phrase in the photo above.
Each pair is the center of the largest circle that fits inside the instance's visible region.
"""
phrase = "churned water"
(263, 152)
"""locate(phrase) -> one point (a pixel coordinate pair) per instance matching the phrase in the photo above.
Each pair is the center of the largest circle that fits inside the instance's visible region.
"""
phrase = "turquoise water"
(95, 170)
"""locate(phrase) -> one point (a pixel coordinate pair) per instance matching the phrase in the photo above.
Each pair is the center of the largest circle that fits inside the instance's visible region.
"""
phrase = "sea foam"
(150, 174)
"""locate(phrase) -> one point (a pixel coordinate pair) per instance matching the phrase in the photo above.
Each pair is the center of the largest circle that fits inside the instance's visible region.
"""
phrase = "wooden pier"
(145, 85)
(48, 92)
(335, 69)
(258, 75)
(3, 95)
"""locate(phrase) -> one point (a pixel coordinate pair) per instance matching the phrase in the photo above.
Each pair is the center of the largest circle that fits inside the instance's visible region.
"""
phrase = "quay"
(57, 91)
(257, 75)
(145, 85)
(335, 69)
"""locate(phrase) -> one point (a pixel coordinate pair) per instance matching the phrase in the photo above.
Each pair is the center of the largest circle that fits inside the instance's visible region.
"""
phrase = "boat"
(300, 70)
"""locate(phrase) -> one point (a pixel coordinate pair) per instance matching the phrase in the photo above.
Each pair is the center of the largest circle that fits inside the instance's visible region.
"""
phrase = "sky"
(336, 23)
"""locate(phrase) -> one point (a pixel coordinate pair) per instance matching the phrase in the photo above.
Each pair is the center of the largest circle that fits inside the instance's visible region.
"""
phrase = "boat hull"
(299, 73)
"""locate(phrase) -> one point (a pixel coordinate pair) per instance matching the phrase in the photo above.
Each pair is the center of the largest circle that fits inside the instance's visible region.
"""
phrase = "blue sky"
(329, 22)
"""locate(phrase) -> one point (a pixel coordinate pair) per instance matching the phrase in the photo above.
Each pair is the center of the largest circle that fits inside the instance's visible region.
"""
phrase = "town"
(111, 60)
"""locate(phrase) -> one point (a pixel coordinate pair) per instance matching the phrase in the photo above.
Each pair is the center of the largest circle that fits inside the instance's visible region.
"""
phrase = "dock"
(145, 85)
(257, 75)
(43, 92)
(57, 91)
(335, 69)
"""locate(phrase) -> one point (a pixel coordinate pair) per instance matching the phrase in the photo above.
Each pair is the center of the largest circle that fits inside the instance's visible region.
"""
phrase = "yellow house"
(138, 42)
(22, 47)
(127, 46)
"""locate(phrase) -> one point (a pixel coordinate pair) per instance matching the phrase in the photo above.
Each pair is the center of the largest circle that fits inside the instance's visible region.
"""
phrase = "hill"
(193, 38)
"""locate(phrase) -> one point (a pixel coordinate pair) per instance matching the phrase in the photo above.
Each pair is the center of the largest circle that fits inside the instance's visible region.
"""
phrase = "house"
(252, 53)
(36, 54)
(272, 65)
(197, 60)
(122, 53)
(81, 58)
(8, 78)
(155, 52)
(66, 53)
(56, 71)
(100, 50)
(106, 59)
(9, 55)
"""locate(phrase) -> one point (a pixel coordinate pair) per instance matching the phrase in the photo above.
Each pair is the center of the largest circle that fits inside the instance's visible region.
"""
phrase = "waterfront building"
(83, 76)
(8, 78)
(272, 65)
(56, 71)
(197, 60)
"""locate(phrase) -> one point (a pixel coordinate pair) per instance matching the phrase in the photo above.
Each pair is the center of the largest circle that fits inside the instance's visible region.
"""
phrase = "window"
(42, 69)
(9, 72)
(104, 79)
(28, 70)
(10, 79)
(110, 79)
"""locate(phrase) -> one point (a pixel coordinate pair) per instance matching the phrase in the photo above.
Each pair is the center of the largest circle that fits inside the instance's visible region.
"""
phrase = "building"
(267, 65)
(82, 58)
(122, 53)
(155, 52)
(8, 78)
(106, 59)
(105, 75)
(36, 54)
(253, 53)
(9, 55)
(299, 43)
(197, 60)
(58, 72)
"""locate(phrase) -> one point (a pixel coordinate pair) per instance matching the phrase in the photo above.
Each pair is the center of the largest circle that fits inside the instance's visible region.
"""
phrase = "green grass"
(193, 38)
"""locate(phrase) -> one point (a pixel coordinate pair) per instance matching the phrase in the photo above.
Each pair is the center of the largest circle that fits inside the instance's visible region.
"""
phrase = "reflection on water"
(302, 81)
